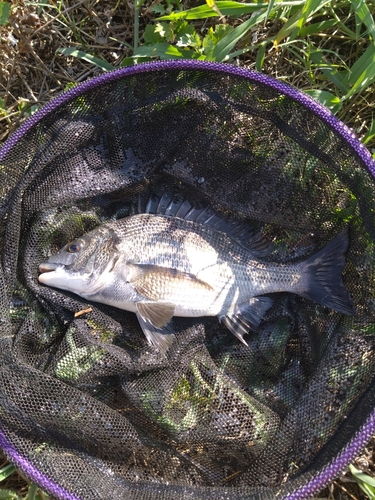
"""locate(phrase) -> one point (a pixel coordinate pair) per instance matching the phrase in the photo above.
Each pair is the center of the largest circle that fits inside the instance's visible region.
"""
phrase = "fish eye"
(74, 247)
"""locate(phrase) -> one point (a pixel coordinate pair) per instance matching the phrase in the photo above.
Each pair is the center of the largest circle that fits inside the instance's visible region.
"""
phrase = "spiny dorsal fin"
(242, 232)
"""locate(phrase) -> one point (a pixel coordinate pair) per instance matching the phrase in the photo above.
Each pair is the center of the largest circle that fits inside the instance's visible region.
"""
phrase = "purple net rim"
(32, 472)
(319, 110)
(329, 473)
(364, 435)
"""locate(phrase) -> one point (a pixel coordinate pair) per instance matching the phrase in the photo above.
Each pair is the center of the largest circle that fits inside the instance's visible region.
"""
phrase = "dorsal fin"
(177, 206)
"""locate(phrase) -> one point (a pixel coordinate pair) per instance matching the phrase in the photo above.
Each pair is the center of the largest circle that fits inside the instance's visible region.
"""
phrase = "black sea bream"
(160, 266)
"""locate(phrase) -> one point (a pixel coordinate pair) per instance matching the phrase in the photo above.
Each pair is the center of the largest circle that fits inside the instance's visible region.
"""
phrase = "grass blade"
(328, 100)
(370, 135)
(329, 70)
(357, 69)
(31, 494)
(366, 79)
(296, 22)
(9, 495)
(307, 10)
(365, 482)
(4, 13)
(362, 73)
(287, 29)
(68, 51)
(261, 53)
(226, 44)
(166, 51)
(226, 7)
(6, 471)
(342, 26)
(364, 14)
(212, 4)
(269, 9)
(313, 29)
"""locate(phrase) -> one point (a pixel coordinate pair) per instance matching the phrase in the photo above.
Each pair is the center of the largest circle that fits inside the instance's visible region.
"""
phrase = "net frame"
(353, 448)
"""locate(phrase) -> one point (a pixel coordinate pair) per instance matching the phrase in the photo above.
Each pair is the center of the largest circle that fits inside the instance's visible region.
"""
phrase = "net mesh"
(85, 400)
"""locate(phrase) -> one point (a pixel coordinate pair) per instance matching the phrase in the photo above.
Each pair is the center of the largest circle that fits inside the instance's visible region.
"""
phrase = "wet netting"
(88, 407)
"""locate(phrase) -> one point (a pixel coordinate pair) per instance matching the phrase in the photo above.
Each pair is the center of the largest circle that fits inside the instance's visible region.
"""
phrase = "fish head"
(80, 266)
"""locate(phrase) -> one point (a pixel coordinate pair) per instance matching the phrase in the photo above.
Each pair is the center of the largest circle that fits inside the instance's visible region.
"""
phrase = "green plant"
(364, 481)
(302, 32)
(4, 12)
(33, 493)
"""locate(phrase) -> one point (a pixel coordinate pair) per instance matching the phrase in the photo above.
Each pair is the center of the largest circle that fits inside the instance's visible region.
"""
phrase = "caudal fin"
(323, 280)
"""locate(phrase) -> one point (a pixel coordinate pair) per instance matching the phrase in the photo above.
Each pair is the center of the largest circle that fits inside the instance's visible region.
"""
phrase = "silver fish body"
(160, 266)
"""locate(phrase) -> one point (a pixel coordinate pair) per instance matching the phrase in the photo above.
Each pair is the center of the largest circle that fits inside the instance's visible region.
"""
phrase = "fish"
(186, 261)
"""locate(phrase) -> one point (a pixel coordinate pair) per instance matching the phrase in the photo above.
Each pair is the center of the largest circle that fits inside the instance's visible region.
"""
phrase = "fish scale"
(160, 266)
(197, 249)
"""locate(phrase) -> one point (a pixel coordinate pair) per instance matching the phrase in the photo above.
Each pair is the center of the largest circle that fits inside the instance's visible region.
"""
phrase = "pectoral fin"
(247, 317)
(154, 318)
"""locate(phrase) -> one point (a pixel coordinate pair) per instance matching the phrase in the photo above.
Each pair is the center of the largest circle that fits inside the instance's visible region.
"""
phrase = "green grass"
(364, 481)
(33, 491)
(323, 47)
(4, 13)
(328, 45)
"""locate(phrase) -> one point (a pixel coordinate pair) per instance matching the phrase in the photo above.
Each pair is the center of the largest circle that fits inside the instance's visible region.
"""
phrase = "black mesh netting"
(86, 401)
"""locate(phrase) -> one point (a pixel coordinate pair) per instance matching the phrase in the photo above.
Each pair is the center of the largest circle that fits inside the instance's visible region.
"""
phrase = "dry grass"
(32, 73)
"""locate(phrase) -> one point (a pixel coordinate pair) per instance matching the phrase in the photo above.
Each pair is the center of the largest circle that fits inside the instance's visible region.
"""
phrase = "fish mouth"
(50, 274)
(47, 267)
(57, 276)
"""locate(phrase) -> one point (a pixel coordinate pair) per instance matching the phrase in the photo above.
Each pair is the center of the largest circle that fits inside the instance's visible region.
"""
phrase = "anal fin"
(247, 317)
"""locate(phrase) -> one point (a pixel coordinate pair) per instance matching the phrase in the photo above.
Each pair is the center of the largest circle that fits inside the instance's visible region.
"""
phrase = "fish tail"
(322, 276)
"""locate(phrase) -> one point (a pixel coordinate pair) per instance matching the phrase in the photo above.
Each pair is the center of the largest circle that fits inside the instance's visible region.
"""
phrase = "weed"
(328, 47)
(4, 12)
(32, 490)
(364, 481)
